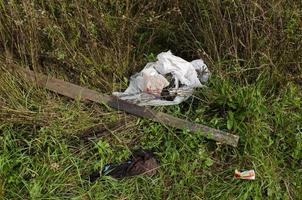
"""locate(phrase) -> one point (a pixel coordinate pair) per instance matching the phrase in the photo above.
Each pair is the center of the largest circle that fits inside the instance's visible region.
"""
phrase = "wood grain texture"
(77, 92)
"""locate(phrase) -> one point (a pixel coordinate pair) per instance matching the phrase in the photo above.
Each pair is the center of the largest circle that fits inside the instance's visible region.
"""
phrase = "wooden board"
(77, 92)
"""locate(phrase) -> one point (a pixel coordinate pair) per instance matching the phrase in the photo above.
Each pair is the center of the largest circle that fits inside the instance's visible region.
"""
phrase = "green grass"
(48, 148)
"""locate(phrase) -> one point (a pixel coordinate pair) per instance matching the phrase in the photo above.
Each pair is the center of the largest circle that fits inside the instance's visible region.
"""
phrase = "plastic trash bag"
(141, 162)
(168, 81)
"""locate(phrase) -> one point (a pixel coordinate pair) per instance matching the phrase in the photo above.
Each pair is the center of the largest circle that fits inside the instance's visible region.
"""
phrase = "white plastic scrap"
(146, 87)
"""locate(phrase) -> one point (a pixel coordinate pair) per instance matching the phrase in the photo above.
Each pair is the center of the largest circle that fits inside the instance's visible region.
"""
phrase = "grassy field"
(49, 144)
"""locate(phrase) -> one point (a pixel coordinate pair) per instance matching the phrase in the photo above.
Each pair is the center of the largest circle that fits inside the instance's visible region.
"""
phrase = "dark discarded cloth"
(140, 162)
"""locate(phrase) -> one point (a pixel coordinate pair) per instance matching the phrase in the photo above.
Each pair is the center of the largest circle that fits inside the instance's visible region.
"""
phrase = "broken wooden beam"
(77, 92)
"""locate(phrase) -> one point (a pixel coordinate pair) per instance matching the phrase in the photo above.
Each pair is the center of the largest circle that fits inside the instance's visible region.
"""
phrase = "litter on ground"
(141, 162)
(245, 175)
(168, 81)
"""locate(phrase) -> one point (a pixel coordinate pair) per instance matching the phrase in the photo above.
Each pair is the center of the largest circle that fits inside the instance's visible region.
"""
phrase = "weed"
(50, 144)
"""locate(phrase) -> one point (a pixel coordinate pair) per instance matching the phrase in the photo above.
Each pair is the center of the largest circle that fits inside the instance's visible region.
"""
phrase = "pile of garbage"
(168, 81)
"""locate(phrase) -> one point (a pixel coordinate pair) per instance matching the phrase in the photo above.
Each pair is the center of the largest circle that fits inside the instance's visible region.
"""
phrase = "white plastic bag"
(147, 87)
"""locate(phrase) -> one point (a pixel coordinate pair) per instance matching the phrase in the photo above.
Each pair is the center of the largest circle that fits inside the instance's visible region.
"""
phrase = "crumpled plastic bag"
(168, 81)
(140, 162)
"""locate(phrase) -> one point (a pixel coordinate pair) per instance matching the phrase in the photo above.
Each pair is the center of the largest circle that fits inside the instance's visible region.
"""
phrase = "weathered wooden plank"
(77, 92)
